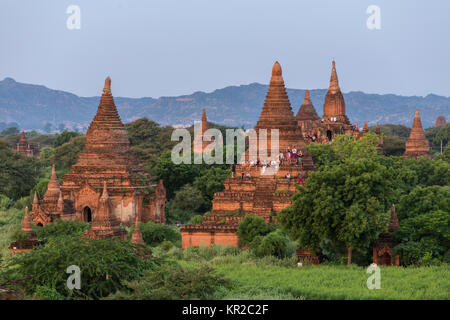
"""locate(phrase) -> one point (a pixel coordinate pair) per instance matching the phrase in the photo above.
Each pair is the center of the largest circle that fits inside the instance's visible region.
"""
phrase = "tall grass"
(341, 282)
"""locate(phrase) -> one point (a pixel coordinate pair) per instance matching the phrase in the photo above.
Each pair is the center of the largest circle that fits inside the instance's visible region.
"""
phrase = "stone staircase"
(262, 205)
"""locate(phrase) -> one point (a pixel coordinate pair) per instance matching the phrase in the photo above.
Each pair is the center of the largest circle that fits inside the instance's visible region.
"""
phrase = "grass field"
(332, 282)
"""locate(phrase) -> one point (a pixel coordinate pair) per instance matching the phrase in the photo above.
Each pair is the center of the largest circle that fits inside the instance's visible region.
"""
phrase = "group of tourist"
(299, 179)
(291, 155)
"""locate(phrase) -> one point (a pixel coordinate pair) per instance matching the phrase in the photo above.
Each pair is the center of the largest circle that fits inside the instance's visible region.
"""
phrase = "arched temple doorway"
(87, 214)
(329, 135)
(386, 259)
(39, 224)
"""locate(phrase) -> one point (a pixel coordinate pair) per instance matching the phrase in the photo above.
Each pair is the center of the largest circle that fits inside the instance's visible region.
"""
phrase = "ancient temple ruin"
(417, 144)
(259, 188)
(107, 186)
(382, 249)
(26, 149)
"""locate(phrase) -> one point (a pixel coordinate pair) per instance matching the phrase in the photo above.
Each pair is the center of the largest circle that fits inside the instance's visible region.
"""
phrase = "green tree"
(66, 155)
(251, 227)
(344, 203)
(187, 202)
(64, 137)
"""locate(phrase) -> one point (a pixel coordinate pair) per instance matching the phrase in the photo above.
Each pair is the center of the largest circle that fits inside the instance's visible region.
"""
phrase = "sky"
(159, 48)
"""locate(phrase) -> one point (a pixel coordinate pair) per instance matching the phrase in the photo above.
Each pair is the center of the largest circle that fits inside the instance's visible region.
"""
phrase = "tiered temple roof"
(334, 104)
(106, 159)
(277, 114)
(26, 149)
(417, 145)
(307, 110)
(250, 191)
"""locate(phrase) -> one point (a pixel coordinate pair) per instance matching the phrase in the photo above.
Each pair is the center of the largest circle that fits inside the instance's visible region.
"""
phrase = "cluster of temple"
(26, 149)
(107, 186)
(266, 193)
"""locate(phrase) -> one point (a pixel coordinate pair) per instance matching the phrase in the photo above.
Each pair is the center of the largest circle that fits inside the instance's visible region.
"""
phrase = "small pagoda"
(382, 249)
(440, 121)
(417, 144)
(25, 245)
(26, 149)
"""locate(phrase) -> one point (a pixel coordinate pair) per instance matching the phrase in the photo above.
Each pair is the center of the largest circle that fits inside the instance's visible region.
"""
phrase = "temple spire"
(26, 224)
(307, 110)
(365, 128)
(105, 195)
(107, 87)
(417, 145)
(136, 236)
(334, 82)
(53, 187)
(393, 221)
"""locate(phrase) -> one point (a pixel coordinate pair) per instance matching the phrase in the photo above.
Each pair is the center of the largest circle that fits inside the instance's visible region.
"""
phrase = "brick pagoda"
(26, 149)
(382, 249)
(257, 189)
(417, 145)
(201, 139)
(106, 163)
(440, 121)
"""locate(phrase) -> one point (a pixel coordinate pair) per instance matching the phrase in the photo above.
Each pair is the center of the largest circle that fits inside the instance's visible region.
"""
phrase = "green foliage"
(5, 202)
(61, 229)
(188, 201)
(251, 227)
(104, 265)
(46, 156)
(66, 155)
(19, 235)
(148, 140)
(175, 176)
(64, 137)
(346, 201)
(424, 224)
(211, 181)
(197, 219)
(174, 282)
(46, 293)
(17, 173)
(273, 244)
(154, 234)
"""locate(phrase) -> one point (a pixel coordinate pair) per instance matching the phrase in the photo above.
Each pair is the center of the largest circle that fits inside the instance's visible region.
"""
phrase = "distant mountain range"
(32, 106)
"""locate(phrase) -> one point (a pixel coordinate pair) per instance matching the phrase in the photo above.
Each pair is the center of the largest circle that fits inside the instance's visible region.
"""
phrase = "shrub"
(173, 282)
(104, 264)
(153, 234)
(197, 219)
(273, 244)
(5, 202)
(61, 228)
(251, 227)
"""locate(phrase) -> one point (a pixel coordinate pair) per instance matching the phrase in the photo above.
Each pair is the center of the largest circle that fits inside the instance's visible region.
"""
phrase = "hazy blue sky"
(167, 47)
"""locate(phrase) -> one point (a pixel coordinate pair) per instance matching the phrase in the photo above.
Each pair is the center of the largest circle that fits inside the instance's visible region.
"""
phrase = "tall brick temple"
(258, 189)
(417, 144)
(107, 185)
